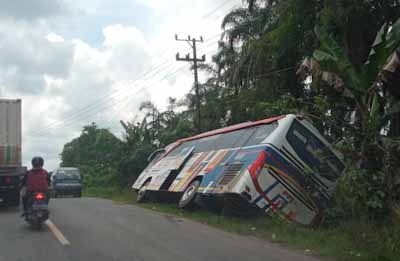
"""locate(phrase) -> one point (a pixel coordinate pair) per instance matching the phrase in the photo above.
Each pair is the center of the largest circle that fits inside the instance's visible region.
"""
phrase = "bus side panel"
(246, 157)
(141, 179)
(215, 171)
(283, 197)
(206, 164)
(160, 171)
(275, 186)
(218, 169)
(223, 174)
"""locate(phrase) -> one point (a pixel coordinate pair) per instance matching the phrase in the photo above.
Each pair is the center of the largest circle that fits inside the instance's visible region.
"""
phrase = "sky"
(74, 62)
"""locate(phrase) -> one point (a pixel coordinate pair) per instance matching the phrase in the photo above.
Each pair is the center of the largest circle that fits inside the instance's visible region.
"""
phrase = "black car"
(66, 181)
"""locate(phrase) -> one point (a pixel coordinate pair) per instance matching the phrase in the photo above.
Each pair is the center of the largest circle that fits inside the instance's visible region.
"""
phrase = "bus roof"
(231, 128)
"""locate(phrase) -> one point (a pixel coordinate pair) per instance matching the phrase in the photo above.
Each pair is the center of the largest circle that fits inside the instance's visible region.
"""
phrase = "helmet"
(37, 162)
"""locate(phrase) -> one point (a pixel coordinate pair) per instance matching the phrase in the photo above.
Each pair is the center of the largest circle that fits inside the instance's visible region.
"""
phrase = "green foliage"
(366, 187)
(96, 152)
(359, 194)
(333, 58)
(97, 146)
(285, 105)
(107, 162)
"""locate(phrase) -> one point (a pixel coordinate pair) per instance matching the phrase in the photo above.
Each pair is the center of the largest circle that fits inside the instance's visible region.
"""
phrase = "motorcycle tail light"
(39, 196)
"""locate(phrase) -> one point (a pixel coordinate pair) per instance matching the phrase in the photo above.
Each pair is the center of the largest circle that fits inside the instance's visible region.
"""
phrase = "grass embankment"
(350, 241)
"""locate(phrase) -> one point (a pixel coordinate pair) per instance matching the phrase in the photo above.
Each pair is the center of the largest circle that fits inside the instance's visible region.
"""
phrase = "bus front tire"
(187, 200)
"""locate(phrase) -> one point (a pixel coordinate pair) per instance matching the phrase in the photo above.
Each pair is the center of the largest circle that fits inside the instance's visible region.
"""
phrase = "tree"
(96, 152)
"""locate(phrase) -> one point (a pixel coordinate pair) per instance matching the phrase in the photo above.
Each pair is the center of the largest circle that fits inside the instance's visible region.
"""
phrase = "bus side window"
(229, 140)
(260, 133)
(182, 147)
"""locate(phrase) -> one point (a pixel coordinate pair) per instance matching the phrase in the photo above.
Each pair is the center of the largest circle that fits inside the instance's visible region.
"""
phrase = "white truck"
(11, 170)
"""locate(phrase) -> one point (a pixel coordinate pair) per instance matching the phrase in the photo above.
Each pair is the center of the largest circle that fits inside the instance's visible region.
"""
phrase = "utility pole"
(192, 42)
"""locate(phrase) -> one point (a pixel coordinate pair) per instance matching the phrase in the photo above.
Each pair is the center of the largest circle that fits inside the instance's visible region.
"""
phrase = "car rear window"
(68, 174)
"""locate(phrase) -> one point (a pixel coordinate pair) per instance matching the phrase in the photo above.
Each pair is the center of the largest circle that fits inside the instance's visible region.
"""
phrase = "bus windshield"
(318, 156)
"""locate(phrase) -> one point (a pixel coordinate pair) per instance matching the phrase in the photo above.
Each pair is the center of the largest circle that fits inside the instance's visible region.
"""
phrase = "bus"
(279, 165)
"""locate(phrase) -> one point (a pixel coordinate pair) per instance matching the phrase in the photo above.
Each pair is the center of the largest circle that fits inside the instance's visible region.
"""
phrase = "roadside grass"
(356, 240)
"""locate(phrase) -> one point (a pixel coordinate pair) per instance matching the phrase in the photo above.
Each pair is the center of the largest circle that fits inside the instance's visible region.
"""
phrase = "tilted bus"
(280, 165)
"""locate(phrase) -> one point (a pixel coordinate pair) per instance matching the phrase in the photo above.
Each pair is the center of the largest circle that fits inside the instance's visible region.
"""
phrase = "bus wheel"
(187, 200)
(142, 193)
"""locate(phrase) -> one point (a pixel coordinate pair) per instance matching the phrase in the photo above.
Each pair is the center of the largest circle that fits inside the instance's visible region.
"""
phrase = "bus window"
(183, 146)
(234, 139)
(227, 140)
(314, 152)
(208, 143)
(261, 133)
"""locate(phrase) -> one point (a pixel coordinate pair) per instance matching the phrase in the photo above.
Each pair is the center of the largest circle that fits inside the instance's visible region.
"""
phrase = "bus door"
(164, 172)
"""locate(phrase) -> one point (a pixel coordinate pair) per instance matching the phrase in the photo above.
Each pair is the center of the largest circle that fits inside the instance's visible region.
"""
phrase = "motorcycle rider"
(35, 180)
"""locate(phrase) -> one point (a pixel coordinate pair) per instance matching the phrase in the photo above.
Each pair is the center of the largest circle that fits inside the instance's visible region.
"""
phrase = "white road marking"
(57, 233)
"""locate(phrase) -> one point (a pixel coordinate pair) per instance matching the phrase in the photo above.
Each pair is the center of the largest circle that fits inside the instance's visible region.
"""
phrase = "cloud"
(99, 88)
(27, 56)
(127, 51)
(75, 70)
(54, 38)
(32, 9)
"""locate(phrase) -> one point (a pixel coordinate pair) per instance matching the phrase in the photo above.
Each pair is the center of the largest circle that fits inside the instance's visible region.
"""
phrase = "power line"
(96, 110)
(78, 115)
(178, 70)
(154, 70)
(265, 75)
(212, 37)
(226, 11)
(208, 45)
(216, 9)
(93, 113)
(105, 97)
(259, 76)
(101, 99)
(124, 104)
(125, 101)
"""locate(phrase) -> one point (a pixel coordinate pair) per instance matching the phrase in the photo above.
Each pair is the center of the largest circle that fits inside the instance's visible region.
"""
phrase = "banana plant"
(375, 105)
(363, 83)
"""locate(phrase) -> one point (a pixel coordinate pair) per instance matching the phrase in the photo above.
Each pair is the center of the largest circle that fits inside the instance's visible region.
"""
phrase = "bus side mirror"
(154, 154)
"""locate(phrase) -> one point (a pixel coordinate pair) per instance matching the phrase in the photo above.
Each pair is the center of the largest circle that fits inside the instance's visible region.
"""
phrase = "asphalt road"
(100, 230)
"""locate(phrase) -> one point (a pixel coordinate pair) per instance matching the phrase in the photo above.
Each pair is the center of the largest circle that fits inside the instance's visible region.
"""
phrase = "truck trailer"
(11, 169)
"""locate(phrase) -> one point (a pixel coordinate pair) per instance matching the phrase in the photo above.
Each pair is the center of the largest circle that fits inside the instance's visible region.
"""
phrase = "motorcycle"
(37, 211)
